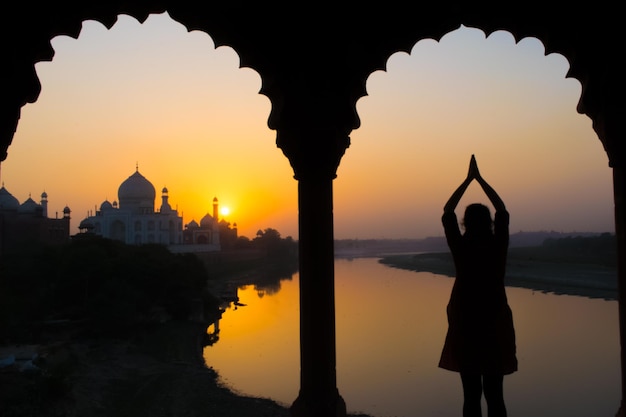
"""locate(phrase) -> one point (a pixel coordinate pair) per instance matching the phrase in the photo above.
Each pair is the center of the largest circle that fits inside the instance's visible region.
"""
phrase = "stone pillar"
(313, 113)
(318, 395)
(608, 123)
(619, 192)
(314, 156)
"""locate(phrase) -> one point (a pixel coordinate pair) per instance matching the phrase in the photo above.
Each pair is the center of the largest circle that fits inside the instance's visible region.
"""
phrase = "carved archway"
(317, 76)
(313, 67)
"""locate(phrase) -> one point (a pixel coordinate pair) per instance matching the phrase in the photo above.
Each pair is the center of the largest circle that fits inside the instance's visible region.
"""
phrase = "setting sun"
(224, 211)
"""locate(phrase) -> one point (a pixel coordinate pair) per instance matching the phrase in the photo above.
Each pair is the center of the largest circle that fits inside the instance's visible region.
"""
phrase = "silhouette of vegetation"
(118, 314)
(109, 285)
(112, 286)
(598, 250)
(272, 245)
(266, 258)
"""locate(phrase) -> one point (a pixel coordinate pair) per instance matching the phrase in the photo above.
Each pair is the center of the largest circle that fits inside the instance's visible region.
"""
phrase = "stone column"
(313, 113)
(619, 192)
(314, 155)
(318, 395)
(607, 119)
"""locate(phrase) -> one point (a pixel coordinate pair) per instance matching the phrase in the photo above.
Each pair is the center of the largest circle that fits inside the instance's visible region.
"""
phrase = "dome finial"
(137, 166)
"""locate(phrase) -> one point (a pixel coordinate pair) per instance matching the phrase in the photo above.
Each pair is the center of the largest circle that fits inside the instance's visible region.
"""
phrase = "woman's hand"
(473, 172)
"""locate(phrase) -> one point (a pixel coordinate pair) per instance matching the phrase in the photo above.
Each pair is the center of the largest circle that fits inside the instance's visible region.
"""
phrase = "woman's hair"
(477, 219)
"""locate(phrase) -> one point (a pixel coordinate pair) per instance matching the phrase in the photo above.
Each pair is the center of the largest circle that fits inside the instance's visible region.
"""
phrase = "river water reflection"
(391, 325)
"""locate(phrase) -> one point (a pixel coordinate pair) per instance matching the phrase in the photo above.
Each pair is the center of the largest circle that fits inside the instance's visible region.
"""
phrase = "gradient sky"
(158, 96)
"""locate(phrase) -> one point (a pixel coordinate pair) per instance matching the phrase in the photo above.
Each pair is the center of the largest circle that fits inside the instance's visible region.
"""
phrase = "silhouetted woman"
(480, 343)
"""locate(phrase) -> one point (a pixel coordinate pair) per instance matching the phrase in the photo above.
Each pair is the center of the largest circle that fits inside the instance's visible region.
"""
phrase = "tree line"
(108, 284)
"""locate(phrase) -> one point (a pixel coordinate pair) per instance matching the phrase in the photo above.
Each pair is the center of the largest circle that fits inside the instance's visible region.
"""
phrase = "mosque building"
(135, 221)
(203, 232)
(28, 222)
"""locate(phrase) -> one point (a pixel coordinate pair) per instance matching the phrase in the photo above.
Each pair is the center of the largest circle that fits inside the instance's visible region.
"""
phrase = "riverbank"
(533, 268)
(157, 372)
(116, 336)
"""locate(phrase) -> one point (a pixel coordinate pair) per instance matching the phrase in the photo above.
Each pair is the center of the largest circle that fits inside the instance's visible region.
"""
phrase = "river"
(390, 326)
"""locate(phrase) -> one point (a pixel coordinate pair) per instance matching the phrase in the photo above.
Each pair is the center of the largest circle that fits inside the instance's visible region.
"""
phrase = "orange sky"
(164, 98)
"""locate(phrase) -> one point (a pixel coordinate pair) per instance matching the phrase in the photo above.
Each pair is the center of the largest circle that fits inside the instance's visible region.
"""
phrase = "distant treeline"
(269, 242)
(267, 253)
(597, 250)
(380, 247)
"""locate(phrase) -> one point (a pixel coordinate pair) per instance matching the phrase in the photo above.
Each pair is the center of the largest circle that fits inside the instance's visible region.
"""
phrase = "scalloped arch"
(330, 55)
(260, 53)
(314, 60)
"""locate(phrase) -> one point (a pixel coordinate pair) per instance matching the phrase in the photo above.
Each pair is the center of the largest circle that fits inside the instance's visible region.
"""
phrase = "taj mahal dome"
(133, 218)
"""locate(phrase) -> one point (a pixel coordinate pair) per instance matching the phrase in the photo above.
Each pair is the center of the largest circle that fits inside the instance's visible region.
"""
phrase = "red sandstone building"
(28, 223)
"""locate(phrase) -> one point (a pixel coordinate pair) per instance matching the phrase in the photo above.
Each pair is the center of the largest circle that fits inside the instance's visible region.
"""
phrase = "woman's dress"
(481, 336)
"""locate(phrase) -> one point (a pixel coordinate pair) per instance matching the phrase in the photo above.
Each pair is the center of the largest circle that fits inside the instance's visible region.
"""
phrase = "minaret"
(215, 210)
(165, 205)
(44, 204)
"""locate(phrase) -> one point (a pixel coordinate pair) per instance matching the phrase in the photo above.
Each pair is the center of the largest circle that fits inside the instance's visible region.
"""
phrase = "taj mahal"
(133, 220)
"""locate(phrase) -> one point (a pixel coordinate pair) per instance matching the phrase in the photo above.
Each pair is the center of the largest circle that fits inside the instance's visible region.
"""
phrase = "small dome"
(7, 201)
(193, 225)
(44, 195)
(28, 206)
(114, 204)
(165, 206)
(207, 221)
(105, 205)
(66, 210)
(85, 224)
(136, 188)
